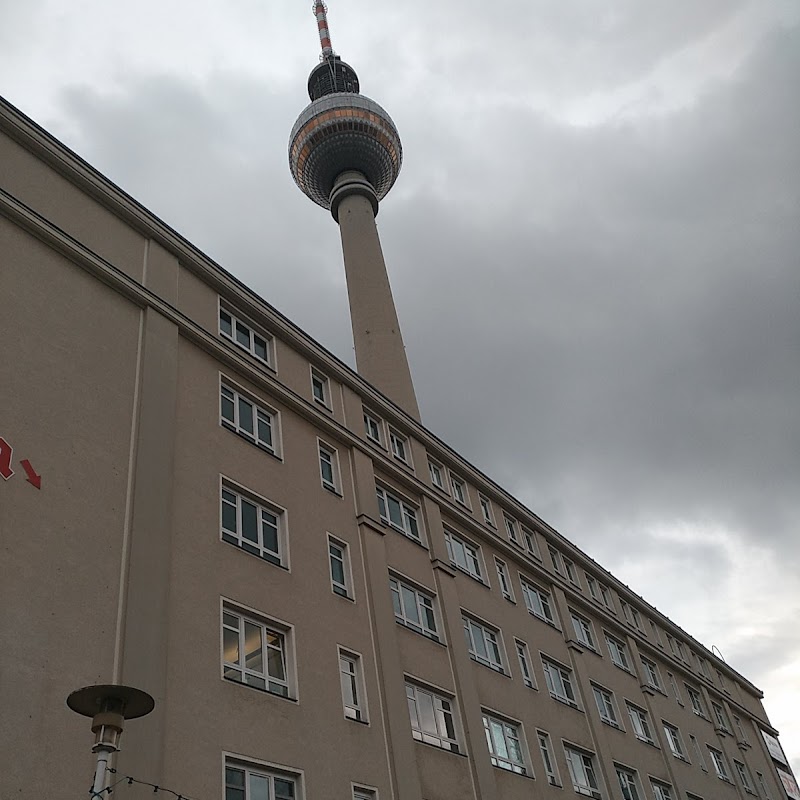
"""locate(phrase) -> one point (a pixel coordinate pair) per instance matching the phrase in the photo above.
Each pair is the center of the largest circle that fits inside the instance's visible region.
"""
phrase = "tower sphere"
(342, 131)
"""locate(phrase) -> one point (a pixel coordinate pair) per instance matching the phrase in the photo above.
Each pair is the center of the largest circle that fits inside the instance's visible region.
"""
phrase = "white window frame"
(531, 545)
(661, 790)
(399, 447)
(269, 774)
(696, 701)
(628, 781)
(737, 721)
(720, 767)
(342, 588)
(460, 549)
(436, 471)
(229, 392)
(606, 706)
(275, 636)
(421, 602)
(582, 772)
(525, 663)
(572, 573)
(503, 736)
(721, 717)
(651, 674)
(594, 592)
(608, 599)
(351, 680)
(640, 723)
(254, 333)
(511, 529)
(618, 651)
(632, 616)
(556, 559)
(446, 733)
(364, 792)
(321, 388)
(674, 741)
(330, 456)
(538, 601)
(484, 643)
(269, 518)
(763, 784)
(548, 758)
(744, 776)
(486, 510)
(408, 523)
(698, 752)
(584, 630)
(504, 579)
(379, 434)
(675, 690)
(559, 682)
(460, 491)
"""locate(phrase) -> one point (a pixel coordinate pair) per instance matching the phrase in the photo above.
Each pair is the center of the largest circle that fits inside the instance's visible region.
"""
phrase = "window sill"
(565, 701)
(345, 596)
(612, 724)
(544, 619)
(262, 447)
(508, 771)
(434, 639)
(497, 670)
(439, 748)
(333, 490)
(267, 560)
(260, 691)
(323, 404)
(470, 575)
(358, 721)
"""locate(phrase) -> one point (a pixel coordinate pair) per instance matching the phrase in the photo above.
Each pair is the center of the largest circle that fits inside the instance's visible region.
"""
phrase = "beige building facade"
(324, 599)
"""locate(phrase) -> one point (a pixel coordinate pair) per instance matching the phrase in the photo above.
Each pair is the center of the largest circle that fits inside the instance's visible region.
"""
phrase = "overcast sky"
(593, 245)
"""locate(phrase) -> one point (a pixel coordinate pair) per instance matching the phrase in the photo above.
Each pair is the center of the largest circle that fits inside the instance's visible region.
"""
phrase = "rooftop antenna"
(321, 13)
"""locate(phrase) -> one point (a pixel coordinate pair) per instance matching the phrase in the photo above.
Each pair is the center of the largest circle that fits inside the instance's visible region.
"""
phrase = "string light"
(130, 780)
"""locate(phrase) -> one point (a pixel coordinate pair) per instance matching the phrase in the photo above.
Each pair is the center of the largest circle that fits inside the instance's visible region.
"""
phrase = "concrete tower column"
(380, 353)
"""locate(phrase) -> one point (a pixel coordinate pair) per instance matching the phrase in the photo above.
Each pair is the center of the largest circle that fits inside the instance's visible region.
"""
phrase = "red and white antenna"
(320, 12)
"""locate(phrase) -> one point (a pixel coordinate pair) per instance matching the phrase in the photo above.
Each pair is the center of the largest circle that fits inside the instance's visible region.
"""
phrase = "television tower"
(345, 154)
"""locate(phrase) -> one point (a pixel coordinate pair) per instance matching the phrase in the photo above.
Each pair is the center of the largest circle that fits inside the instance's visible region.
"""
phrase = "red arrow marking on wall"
(33, 478)
(5, 459)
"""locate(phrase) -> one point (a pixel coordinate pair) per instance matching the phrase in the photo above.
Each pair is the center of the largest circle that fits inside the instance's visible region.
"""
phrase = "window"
(608, 601)
(352, 680)
(505, 748)
(437, 475)
(524, 663)
(320, 388)
(661, 791)
(329, 467)
(559, 682)
(581, 772)
(572, 573)
(672, 645)
(698, 753)
(674, 686)
(464, 555)
(340, 567)
(583, 630)
(651, 676)
(558, 564)
(681, 651)
(253, 526)
(605, 705)
(399, 446)
(721, 681)
(628, 784)
(739, 729)
(550, 767)
(487, 510)
(704, 667)
(531, 545)
(360, 793)
(504, 579)
(373, 428)
(459, 490)
(254, 652)
(251, 421)
(242, 334)
(413, 608)
(763, 784)
(674, 740)
(719, 716)
(483, 644)
(511, 530)
(641, 723)
(432, 719)
(537, 601)
(254, 783)
(397, 513)
(718, 760)
(618, 652)
(744, 776)
(593, 590)
(656, 633)
(631, 615)
(696, 701)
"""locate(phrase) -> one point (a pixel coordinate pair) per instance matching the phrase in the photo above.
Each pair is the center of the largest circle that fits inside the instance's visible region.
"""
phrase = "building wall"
(115, 570)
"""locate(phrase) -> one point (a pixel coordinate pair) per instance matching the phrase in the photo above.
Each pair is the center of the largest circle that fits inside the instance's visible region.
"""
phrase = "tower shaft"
(380, 353)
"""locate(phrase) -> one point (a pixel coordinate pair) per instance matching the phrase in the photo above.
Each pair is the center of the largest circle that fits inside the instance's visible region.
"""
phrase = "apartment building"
(324, 599)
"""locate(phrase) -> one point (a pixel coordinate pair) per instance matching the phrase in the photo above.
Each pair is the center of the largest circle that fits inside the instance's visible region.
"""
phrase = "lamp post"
(108, 706)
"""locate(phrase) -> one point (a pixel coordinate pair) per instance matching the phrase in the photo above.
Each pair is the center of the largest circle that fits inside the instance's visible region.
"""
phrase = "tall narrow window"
(397, 513)
(505, 747)
(718, 760)
(618, 652)
(459, 490)
(531, 545)
(320, 388)
(628, 784)
(593, 590)
(550, 766)
(464, 555)
(248, 419)
(413, 608)
(661, 791)
(641, 723)
(720, 717)
(696, 701)
(537, 601)
(483, 644)
(763, 785)
(582, 772)
(698, 753)
(739, 729)
(340, 567)
(673, 736)
(373, 427)
(583, 630)
(254, 652)
(674, 686)
(559, 682)
(511, 529)
(556, 561)
(432, 718)
(572, 573)
(243, 334)
(605, 706)
(524, 663)
(351, 678)
(651, 676)
(329, 468)
(253, 526)
(744, 776)
(504, 579)
(399, 446)
(437, 474)
(486, 510)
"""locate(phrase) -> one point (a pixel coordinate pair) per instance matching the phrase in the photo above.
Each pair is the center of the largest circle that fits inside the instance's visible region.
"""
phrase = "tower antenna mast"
(321, 13)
